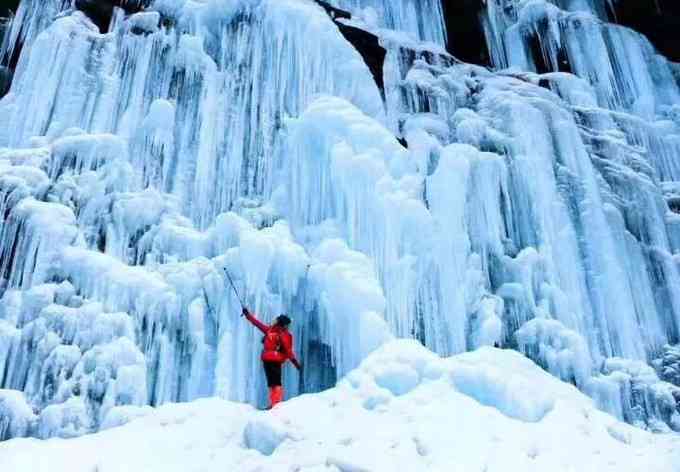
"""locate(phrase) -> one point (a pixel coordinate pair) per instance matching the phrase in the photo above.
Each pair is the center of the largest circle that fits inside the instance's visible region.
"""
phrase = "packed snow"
(403, 409)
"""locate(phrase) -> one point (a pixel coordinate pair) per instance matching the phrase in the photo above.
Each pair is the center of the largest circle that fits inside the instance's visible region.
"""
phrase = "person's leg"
(277, 396)
(270, 373)
(277, 388)
(273, 372)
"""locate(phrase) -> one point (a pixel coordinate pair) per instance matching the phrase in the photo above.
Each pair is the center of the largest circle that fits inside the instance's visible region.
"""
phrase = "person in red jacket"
(277, 350)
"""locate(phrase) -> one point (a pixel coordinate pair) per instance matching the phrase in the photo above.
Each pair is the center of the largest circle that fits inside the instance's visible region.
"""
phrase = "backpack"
(272, 341)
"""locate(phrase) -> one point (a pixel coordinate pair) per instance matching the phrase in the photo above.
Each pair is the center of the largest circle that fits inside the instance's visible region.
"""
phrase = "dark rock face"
(101, 11)
(370, 49)
(334, 13)
(366, 43)
(659, 20)
(4, 26)
(7, 7)
(674, 205)
(5, 80)
(466, 39)
(5, 70)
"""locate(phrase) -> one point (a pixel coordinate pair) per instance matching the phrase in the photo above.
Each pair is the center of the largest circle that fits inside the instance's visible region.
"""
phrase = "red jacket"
(278, 342)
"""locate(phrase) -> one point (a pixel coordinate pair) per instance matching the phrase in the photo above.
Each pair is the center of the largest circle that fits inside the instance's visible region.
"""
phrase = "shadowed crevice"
(659, 20)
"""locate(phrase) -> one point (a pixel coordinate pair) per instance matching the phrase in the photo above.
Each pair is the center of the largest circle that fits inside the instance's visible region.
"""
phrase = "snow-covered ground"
(403, 409)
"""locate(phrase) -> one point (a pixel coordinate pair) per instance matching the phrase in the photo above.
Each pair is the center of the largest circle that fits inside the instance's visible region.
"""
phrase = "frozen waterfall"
(534, 206)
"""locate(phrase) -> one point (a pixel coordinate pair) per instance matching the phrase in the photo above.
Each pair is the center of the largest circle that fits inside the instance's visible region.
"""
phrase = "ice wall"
(421, 19)
(5, 63)
(528, 208)
(608, 134)
(572, 36)
(104, 193)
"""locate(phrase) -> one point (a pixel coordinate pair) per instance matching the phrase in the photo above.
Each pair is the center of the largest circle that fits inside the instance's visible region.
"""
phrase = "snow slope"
(536, 208)
(403, 409)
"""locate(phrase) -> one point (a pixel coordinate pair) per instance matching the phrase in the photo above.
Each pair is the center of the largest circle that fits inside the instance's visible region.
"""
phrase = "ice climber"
(277, 349)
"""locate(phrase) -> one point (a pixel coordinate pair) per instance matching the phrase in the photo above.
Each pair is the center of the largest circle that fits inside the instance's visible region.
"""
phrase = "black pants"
(273, 372)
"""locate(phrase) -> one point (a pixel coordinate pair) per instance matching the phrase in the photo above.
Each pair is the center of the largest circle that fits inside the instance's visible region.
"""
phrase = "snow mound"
(404, 408)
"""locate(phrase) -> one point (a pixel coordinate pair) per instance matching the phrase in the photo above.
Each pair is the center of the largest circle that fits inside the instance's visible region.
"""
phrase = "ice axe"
(231, 282)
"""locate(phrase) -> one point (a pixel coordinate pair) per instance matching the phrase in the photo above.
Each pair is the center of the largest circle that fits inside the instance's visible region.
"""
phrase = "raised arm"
(257, 323)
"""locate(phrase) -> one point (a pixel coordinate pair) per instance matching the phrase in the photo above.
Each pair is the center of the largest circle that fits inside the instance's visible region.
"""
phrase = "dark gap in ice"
(465, 33)
(367, 44)
(513, 318)
(6, 75)
(655, 263)
(370, 49)
(674, 204)
(7, 62)
(540, 62)
(658, 20)
(101, 11)
(545, 83)
(563, 64)
(8, 7)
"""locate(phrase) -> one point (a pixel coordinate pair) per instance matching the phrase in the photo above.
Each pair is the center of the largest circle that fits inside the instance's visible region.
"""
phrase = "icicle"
(30, 241)
(423, 19)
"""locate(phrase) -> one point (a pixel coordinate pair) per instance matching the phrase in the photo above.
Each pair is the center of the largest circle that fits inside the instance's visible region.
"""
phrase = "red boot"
(275, 396)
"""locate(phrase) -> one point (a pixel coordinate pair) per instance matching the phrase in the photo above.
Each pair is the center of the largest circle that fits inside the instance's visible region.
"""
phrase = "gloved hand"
(245, 312)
